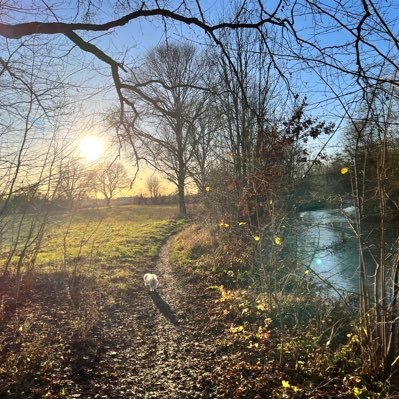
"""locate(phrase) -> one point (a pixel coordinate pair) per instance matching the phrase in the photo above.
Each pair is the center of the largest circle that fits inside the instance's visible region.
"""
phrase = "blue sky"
(325, 91)
(330, 94)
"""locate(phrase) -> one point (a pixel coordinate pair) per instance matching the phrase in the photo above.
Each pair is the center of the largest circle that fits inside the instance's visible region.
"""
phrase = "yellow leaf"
(278, 240)
(285, 384)
(223, 225)
(207, 189)
(242, 223)
(307, 271)
(344, 170)
(236, 330)
(256, 238)
(261, 306)
(300, 363)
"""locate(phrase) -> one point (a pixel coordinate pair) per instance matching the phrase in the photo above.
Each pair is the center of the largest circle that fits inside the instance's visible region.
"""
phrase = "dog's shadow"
(164, 308)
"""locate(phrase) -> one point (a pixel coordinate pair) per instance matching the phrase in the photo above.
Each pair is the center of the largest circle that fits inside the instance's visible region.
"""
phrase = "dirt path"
(155, 345)
(177, 367)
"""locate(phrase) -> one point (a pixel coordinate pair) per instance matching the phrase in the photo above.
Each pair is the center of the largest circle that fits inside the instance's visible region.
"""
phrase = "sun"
(91, 148)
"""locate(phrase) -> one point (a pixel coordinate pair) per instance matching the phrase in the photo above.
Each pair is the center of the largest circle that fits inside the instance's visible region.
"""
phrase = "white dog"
(151, 281)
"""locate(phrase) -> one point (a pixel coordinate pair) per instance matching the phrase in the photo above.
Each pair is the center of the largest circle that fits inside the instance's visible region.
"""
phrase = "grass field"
(103, 237)
(108, 236)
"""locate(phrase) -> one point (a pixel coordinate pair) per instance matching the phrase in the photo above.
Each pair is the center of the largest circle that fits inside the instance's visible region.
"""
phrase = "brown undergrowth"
(294, 342)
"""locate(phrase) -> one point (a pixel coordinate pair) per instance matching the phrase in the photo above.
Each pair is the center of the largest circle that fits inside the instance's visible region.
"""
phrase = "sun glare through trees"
(91, 148)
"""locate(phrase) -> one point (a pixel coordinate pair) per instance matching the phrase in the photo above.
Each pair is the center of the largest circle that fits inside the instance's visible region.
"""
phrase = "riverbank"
(284, 339)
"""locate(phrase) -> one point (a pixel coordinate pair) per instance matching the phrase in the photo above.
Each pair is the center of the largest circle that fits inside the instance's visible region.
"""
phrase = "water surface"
(326, 244)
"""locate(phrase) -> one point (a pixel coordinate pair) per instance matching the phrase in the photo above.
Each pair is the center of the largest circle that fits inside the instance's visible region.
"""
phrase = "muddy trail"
(154, 344)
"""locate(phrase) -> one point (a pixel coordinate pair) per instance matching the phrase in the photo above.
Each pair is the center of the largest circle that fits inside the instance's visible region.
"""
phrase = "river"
(326, 244)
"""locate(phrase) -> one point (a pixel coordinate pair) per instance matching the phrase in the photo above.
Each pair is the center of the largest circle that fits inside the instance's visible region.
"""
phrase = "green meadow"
(98, 238)
(106, 236)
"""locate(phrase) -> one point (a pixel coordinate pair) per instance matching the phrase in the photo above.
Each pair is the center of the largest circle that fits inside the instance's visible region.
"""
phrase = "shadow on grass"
(164, 308)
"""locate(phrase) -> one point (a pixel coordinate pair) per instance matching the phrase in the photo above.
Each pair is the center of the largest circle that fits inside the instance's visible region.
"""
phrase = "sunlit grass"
(101, 237)
(122, 234)
(192, 247)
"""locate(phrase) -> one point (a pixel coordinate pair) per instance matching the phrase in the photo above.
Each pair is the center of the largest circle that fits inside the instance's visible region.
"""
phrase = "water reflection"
(326, 244)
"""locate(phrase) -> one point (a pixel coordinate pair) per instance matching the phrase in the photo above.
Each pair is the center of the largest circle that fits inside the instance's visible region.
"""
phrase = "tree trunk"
(182, 199)
(181, 170)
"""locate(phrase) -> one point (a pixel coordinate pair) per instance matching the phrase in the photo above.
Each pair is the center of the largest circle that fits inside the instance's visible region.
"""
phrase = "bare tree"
(205, 146)
(172, 106)
(110, 179)
(153, 185)
(296, 52)
(31, 102)
(75, 181)
(359, 22)
(373, 152)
